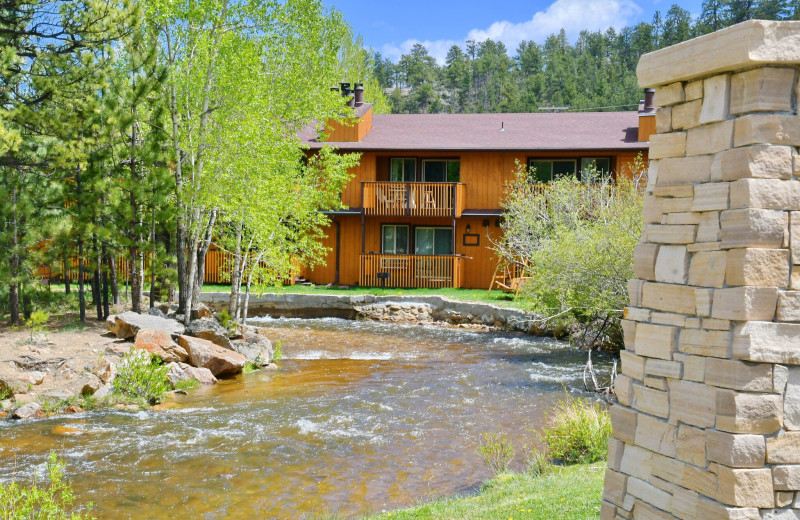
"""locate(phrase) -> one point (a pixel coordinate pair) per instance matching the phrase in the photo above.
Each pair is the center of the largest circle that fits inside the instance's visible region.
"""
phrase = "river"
(361, 417)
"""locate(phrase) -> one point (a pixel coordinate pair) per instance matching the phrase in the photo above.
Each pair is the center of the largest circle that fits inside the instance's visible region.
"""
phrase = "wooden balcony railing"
(405, 271)
(419, 199)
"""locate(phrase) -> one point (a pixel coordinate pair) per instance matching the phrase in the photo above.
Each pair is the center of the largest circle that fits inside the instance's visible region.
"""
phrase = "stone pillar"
(708, 421)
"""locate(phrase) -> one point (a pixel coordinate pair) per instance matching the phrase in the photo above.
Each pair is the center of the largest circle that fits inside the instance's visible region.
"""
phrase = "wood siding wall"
(350, 133)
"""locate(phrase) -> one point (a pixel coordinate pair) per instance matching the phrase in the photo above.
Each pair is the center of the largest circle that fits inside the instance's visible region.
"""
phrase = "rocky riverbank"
(64, 371)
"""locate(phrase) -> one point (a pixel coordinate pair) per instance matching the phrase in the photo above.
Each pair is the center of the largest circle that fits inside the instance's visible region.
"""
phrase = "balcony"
(415, 199)
(406, 271)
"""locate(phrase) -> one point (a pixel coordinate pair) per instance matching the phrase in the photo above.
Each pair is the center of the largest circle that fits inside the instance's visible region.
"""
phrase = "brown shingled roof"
(542, 131)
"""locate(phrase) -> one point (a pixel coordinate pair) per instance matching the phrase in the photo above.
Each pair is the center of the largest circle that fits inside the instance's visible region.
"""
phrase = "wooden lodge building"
(424, 203)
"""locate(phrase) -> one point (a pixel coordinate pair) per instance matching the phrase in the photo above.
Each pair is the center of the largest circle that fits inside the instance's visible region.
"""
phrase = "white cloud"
(571, 15)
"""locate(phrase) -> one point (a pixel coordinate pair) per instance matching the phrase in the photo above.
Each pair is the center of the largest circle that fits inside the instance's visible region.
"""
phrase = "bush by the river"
(52, 500)
(577, 432)
(141, 375)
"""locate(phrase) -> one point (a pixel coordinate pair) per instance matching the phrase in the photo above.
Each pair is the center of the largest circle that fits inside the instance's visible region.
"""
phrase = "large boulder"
(220, 361)
(181, 372)
(155, 311)
(161, 344)
(255, 347)
(127, 324)
(105, 370)
(201, 311)
(29, 411)
(209, 329)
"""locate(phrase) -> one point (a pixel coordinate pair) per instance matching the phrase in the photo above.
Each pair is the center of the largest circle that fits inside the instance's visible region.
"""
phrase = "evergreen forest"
(597, 72)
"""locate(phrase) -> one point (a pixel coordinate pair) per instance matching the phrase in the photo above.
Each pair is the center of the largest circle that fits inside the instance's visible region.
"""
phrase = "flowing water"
(361, 417)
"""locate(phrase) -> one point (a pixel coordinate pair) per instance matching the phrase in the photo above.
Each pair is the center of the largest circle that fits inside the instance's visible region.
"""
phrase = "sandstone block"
(623, 387)
(752, 228)
(739, 375)
(708, 269)
(711, 197)
(675, 205)
(684, 170)
(791, 404)
(682, 218)
(767, 342)
(711, 138)
(794, 283)
(748, 413)
(645, 511)
(701, 342)
(760, 161)
(670, 298)
(667, 95)
(649, 493)
(735, 450)
(652, 401)
(668, 234)
(637, 462)
(668, 318)
(677, 190)
(629, 333)
(667, 469)
(635, 291)
(657, 383)
(693, 90)
(766, 128)
(615, 486)
(684, 504)
(745, 303)
(656, 436)
(712, 324)
(789, 305)
(652, 210)
(708, 230)
(644, 261)
(699, 480)
(780, 377)
(765, 193)
(784, 499)
(783, 514)
(692, 403)
(716, 98)
(794, 238)
(669, 145)
(703, 300)
(784, 449)
(633, 314)
(787, 478)
(713, 510)
(615, 450)
(758, 267)
(632, 365)
(663, 120)
(623, 423)
(661, 368)
(608, 511)
(672, 264)
(745, 487)
(762, 89)
(694, 367)
(692, 445)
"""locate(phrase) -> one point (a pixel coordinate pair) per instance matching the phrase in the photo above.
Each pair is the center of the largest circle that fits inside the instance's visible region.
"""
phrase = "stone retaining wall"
(708, 420)
(389, 308)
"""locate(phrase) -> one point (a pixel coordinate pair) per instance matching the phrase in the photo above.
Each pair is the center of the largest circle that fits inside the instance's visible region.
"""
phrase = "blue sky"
(393, 27)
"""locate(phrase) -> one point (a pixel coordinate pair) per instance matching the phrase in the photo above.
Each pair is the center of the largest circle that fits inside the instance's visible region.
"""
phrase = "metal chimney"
(649, 94)
(345, 89)
(359, 94)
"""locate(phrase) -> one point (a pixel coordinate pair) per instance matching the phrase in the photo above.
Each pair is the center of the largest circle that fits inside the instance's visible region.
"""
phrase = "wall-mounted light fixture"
(467, 228)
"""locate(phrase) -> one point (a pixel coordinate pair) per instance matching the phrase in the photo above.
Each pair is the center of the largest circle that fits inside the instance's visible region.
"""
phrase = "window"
(545, 170)
(441, 170)
(595, 168)
(591, 169)
(433, 241)
(394, 239)
(403, 170)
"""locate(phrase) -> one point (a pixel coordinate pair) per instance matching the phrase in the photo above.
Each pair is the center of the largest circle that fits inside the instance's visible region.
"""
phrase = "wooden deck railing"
(419, 199)
(406, 271)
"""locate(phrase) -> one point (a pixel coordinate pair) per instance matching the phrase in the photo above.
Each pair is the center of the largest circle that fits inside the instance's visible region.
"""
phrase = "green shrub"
(249, 368)
(36, 321)
(187, 384)
(497, 451)
(277, 354)
(226, 320)
(537, 462)
(52, 502)
(577, 432)
(141, 375)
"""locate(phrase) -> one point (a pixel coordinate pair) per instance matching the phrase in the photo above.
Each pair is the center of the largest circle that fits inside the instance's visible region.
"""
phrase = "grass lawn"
(472, 295)
(567, 493)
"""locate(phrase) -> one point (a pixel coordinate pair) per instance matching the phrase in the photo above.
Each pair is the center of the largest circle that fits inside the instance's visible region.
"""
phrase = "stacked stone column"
(708, 420)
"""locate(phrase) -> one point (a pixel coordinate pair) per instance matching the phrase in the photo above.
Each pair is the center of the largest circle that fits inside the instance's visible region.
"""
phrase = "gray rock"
(218, 360)
(155, 311)
(58, 394)
(28, 411)
(209, 329)
(181, 372)
(91, 384)
(6, 405)
(32, 378)
(127, 324)
(255, 347)
(105, 370)
(103, 392)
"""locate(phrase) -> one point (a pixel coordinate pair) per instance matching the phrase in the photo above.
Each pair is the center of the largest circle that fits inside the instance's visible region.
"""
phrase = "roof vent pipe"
(649, 94)
(345, 89)
(359, 94)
